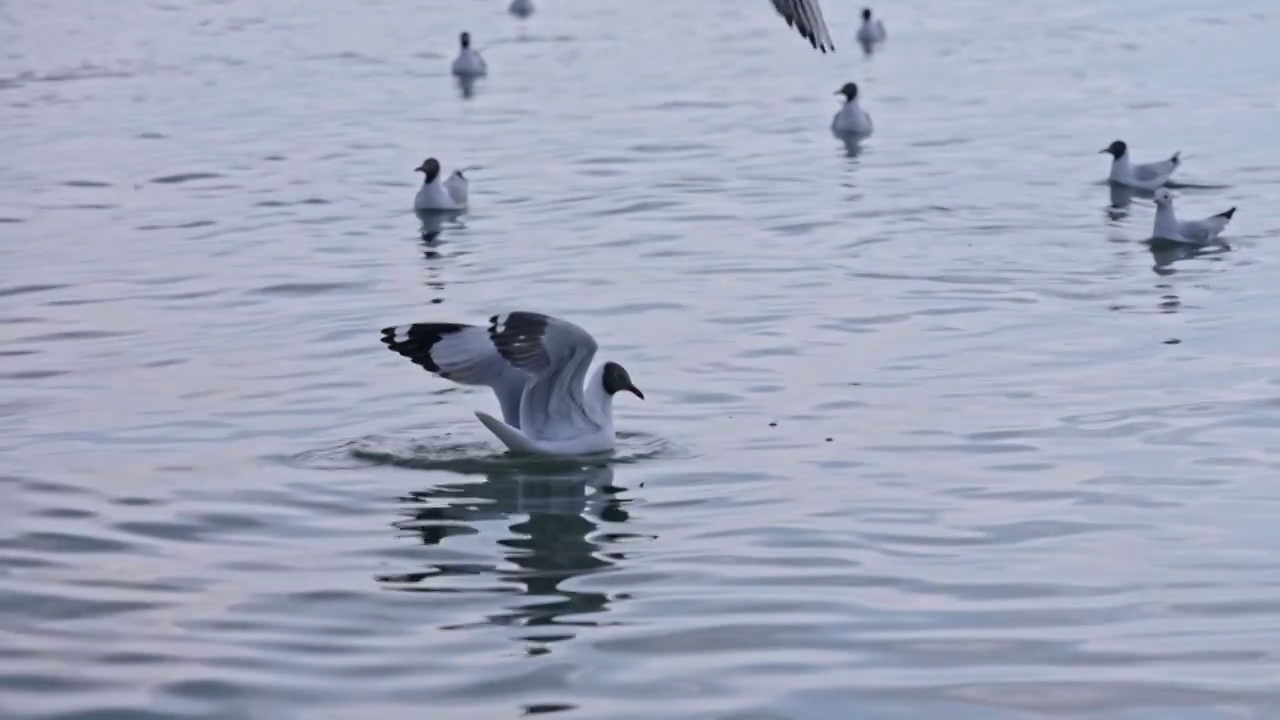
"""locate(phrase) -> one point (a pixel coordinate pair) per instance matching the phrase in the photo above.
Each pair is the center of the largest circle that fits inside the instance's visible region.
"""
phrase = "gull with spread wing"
(537, 366)
(435, 195)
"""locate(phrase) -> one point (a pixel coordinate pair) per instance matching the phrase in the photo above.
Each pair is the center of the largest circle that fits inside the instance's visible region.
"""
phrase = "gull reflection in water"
(466, 86)
(852, 143)
(1122, 197)
(1165, 253)
(434, 222)
(554, 516)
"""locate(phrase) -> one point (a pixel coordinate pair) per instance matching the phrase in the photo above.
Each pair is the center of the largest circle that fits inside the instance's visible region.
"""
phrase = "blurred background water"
(929, 429)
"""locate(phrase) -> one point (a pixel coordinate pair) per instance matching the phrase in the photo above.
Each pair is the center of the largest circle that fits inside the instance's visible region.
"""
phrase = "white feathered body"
(1204, 231)
(470, 64)
(521, 8)
(851, 119)
(435, 196)
(872, 31)
(1144, 176)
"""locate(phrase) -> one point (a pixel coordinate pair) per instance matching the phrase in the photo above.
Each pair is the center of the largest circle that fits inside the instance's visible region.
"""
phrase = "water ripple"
(930, 428)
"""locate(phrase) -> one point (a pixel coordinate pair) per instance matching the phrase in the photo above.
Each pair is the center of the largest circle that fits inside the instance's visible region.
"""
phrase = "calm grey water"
(929, 431)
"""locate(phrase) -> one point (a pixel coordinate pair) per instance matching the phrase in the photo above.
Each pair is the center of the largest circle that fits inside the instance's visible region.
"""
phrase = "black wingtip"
(1228, 214)
(416, 341)
(1177, 157)
(389, 337)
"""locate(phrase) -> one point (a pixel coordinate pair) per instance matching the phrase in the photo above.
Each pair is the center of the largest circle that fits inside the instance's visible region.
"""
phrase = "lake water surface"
(929, 431)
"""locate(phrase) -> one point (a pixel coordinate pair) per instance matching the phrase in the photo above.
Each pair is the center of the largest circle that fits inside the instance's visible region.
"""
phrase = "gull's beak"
(1105, 150)
(420, 168)
(635, 391)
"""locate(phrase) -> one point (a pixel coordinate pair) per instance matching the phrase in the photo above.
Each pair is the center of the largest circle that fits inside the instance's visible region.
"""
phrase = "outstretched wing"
(463, 354)
(456, 186)
(806, 17)
(557, 354)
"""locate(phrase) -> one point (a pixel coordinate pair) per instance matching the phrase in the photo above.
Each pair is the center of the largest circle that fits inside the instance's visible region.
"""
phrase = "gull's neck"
(599, 402)
(1121, 171)
(1166, 221)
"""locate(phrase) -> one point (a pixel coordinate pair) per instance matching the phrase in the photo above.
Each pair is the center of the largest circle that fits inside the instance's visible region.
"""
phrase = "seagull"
(1144, 176)
(537, 366)
(1194, 232)
(436, 195)
(469, 63)
(851, 119)
(806, 17)
(871, 31)
(521, 8)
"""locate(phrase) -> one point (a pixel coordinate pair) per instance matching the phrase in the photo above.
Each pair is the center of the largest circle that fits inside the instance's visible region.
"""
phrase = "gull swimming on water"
(521, 8)
(469, 63)
(436, 195)
(1194, 232)
(537, 366)
(1144, 176)
(872, 31)
(851, 119)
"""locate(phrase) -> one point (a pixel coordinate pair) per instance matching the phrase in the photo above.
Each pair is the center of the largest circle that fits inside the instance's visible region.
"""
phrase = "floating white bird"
(1195, 232)
(872, 31)
(469, 63)
(521, 8)
(537, 366)
(1144, 176)
(436, 195)
(806, 17)
(851, 119)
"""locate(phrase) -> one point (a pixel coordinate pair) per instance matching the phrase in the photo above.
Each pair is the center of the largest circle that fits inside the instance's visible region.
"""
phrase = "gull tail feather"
(515, 440)
(1227, 214)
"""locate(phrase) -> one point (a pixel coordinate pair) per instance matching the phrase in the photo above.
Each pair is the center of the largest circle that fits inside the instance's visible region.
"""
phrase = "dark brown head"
(465, 39)
(866, 14)
(616, 380)
(430, 168)
(849, 91)
(1116, 149)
